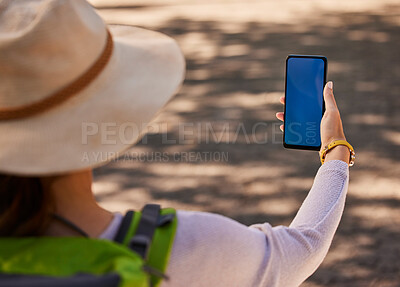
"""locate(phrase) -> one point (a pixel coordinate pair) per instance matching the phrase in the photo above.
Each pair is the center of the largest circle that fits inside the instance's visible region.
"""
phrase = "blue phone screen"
(305, 79)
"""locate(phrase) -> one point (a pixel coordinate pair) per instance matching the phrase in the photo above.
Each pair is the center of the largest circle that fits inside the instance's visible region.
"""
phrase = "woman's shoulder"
(211, 227)
(226, 250)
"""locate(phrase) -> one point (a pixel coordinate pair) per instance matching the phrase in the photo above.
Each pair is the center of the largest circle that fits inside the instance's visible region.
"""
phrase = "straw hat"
(74, 92)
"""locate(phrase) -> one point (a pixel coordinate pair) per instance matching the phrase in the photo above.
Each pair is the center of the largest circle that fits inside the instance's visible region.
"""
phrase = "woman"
(64, 76)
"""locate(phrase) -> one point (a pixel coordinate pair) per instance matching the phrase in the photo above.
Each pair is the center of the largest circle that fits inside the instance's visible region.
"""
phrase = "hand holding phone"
(331, 127)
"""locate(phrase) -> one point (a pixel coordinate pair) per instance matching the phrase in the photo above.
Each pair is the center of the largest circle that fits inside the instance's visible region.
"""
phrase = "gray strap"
(148, 223)
(124, 227)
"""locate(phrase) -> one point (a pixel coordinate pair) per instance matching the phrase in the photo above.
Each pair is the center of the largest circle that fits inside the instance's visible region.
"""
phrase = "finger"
(280, 116)
(281, 127)
(282, 100)
(329, 98)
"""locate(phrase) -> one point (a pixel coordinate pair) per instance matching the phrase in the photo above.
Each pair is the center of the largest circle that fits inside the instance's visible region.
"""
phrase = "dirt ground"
(235, 53)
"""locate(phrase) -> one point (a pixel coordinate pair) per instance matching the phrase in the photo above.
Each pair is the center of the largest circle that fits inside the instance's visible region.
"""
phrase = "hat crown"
(44, 46)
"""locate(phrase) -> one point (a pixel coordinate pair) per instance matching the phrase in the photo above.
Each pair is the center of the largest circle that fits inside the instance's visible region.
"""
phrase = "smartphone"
(304, 102)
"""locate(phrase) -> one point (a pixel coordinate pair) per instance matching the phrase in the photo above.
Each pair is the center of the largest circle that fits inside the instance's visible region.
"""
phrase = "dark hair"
(25, 207)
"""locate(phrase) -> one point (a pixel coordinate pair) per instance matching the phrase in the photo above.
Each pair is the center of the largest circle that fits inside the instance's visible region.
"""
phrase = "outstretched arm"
(212, 250)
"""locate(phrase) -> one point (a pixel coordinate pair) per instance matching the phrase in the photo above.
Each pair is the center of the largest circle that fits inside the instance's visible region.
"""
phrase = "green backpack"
(137, 257)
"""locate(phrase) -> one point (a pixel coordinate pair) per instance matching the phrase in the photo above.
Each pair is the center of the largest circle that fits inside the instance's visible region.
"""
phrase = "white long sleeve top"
(213, 250)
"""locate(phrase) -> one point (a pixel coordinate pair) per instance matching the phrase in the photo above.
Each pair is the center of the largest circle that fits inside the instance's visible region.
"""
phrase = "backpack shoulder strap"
(141, 241)
(150, 234)
(124, 227)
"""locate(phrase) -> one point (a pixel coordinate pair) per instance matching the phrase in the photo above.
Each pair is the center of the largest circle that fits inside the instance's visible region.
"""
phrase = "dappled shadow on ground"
(233, 83)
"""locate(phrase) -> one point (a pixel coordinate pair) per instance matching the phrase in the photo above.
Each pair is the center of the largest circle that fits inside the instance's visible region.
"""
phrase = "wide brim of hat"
(106, 118)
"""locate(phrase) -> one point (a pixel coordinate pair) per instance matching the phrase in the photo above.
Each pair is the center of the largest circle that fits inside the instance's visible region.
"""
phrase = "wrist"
(339, 152)
(347, 155)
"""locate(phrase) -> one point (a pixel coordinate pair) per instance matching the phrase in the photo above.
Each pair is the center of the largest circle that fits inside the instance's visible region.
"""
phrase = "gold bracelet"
(336, 143)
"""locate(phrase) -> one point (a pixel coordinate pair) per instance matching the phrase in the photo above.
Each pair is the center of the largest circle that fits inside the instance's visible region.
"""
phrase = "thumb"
(329, 98)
